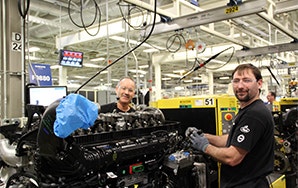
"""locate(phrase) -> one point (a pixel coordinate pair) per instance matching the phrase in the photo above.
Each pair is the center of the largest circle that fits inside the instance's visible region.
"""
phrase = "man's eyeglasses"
(244, 81)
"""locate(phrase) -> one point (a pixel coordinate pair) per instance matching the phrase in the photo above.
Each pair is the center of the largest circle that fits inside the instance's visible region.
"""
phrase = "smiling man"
(125, 91)
(247, 152)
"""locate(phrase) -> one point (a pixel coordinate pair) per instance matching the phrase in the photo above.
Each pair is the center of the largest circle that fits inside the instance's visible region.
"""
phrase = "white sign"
(16, 44)
(16, 37)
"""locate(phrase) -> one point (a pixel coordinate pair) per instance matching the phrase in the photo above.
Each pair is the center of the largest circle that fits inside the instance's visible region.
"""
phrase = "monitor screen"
(45, 95)
(71, 58)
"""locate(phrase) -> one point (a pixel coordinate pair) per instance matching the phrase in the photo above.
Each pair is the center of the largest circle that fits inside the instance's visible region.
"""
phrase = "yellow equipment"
(284, 104)
(213, 114)
(278, 180)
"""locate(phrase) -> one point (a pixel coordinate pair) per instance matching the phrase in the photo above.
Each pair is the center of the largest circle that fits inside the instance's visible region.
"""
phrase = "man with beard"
(125, 91)
(247, 152)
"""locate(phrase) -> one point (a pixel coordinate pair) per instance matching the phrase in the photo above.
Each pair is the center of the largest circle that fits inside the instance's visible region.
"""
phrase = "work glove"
(190, 130)
(199, 141)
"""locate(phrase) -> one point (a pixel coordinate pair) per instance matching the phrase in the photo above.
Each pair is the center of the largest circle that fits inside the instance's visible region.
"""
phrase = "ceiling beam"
(150, 8)
(267, 50)
(278, 25)
(286, 6)
(209, 16)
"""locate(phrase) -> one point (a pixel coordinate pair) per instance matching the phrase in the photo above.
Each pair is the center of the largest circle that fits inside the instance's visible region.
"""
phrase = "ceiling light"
(80, 77)
(34, 49)
(187, 81)
(92, 65)
(143, 66)
(151, 50)
(137, 71)
(165, 79)
(179, 88)
(55, 66)
(173, 75)
(98, 59)
(122, 39)
(104, 72)
(72, 85)
(224, 78)
(179, 71)
(115, 80)
(197, 78)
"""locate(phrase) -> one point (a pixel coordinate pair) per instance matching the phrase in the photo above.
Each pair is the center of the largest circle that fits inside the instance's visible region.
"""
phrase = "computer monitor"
(71, 58)
(45, 95)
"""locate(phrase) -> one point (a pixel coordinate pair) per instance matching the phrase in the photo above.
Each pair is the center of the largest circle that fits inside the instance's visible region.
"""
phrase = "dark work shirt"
(112, 108)
(253, 131)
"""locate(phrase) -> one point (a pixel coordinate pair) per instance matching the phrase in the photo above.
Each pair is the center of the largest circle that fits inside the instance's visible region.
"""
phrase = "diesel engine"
(138, 149)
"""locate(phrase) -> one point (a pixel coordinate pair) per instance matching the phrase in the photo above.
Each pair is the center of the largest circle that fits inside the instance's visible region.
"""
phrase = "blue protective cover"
(73, 112)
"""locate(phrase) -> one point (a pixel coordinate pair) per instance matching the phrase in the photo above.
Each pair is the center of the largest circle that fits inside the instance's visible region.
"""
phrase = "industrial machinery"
(146, 148)
(214, 114)
(139, 149)
(286, 136)
(211, 114)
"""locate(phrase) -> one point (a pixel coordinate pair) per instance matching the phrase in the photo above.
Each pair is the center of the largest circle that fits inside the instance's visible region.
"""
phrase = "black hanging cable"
(172, 39)
(99, 19)
(125, 54)
(218, 67)
(25, 12)
(203, 64)
(97, 12)
(71, 19)
(272, 75)
(144, 21)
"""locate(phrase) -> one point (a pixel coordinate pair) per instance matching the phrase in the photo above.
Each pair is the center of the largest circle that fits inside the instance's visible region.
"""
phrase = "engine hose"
(16, 176)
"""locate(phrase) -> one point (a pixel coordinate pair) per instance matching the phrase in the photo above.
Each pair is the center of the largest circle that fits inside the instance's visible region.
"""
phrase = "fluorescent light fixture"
(224, 78)
(72, 85)
(178, 88)
(197, 78)
(165, 79)
(55, 66)
(34, 49)
(187, 81)
(122, 39)
(151, 50)
(98, 59)
(238, 35)
(115, 80)
(104, 72)
(179, 71)
(80, 77)
(137, 71)
(172, 75)
(143, 66)
(140, 76)
(92, 65)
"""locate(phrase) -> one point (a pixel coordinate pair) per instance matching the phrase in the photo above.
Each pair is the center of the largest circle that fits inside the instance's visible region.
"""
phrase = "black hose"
(125, 54)
(23, 14)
